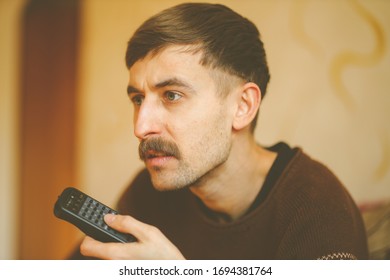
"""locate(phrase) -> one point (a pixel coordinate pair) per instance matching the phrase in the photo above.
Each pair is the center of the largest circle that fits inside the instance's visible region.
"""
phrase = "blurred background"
(65, 119)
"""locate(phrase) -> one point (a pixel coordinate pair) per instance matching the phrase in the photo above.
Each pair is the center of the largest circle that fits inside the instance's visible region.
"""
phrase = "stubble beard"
(184, 177)
(187, 174)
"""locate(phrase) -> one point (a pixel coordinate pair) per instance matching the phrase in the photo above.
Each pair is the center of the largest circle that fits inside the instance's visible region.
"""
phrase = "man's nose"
(147, 120)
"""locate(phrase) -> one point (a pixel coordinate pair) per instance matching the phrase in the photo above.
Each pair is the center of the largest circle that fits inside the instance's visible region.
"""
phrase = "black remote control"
(87, 214)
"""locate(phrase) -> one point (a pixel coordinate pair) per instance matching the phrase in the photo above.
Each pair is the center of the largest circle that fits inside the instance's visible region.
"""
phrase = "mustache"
(154, 147)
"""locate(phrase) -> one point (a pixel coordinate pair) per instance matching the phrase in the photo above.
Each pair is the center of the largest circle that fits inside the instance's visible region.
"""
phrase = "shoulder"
(299, 174)
(318, 210)
(311, 180)
(309, 186)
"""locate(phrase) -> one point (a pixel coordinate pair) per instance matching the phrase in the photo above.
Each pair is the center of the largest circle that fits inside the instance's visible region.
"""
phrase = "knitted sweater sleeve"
(321, 221)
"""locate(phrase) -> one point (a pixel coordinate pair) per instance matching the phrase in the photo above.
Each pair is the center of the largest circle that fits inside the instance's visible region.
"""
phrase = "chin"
(168, 180)
(163, 184)
(165, 187)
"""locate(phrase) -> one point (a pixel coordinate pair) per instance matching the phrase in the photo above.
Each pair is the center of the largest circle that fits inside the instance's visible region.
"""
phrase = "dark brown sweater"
(304, 212)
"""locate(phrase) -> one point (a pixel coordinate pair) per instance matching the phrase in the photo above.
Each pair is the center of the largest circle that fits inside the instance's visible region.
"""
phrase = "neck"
(230, 189)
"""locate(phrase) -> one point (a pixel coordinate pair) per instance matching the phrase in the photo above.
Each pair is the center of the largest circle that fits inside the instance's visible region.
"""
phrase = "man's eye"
(172, 96)
(137, 100)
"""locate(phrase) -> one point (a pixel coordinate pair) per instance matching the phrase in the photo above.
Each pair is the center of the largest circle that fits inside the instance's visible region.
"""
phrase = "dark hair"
(227, 40)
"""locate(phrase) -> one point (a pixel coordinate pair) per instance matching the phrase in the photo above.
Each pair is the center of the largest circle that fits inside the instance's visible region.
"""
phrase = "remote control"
(87, 214)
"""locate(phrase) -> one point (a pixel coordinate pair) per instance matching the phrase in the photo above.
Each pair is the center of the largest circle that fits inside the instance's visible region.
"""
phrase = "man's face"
(184, 125)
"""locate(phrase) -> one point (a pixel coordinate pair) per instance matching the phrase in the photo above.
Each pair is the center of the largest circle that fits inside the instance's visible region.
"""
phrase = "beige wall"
(329, 63)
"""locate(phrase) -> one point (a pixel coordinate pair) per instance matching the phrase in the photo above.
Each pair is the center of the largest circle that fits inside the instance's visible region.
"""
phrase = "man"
(197, 76)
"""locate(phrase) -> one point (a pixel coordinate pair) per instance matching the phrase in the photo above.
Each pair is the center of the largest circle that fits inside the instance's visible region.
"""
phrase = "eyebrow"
(173, 82)
(131, 89)
(168, 82)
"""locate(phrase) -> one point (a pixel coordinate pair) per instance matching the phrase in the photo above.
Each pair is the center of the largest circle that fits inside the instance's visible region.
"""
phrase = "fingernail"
(109, 218)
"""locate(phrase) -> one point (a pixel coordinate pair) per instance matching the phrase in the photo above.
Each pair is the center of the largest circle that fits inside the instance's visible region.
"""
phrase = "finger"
(92, 248)
(130, 225)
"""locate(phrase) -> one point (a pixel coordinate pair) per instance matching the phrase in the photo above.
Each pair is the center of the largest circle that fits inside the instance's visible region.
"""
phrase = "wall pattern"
(350, 58)
(343, 63)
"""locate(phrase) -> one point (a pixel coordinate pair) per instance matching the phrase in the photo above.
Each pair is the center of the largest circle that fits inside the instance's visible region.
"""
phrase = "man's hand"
(151, 243)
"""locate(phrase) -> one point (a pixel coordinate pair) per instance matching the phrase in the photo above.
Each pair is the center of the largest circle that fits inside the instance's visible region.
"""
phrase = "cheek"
(203, 135)
(201, 125)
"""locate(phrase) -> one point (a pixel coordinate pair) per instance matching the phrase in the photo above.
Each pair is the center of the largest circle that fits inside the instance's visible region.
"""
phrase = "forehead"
(169, 57)
(177, 62)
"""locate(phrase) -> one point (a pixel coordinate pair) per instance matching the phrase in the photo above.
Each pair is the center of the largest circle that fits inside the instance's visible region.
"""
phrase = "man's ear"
(248, 101)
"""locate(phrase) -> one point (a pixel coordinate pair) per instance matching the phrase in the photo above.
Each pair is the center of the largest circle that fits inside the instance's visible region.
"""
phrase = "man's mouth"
(157, 159)
(156, 154)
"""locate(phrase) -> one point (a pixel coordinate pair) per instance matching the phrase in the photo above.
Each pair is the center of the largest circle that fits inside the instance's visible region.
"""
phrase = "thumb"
(127, 224)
